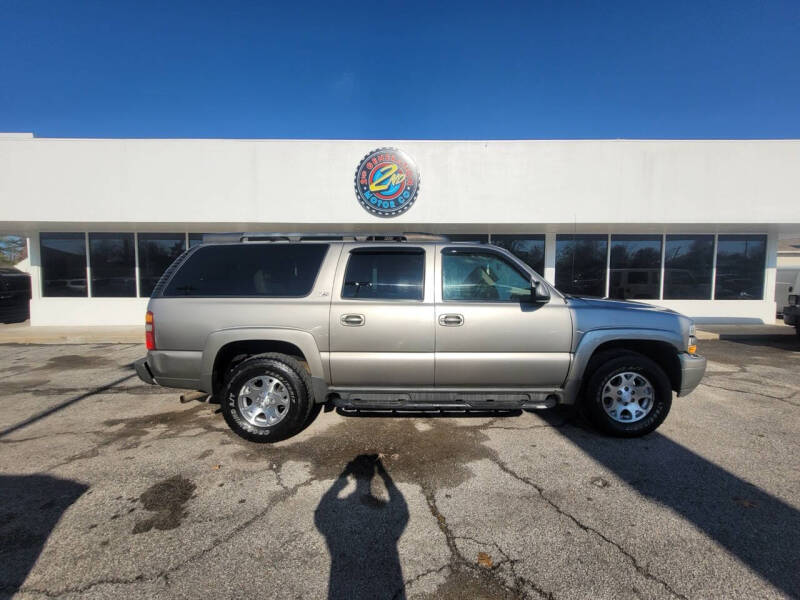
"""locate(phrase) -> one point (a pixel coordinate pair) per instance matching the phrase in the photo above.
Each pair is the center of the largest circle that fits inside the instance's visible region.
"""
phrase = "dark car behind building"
(15, 294)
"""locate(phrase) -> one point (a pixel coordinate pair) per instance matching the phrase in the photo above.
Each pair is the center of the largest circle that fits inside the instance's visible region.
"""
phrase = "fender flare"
(302, 339)
(591, 340)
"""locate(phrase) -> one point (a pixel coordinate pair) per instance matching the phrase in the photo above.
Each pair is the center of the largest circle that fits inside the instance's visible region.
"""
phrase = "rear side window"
(385, 274)
(266, 270)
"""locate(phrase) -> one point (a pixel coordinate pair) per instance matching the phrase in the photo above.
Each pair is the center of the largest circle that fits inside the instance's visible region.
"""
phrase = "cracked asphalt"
(111, 488)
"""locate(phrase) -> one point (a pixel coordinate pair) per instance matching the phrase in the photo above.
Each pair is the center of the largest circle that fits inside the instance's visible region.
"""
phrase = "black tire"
(292, 376)
(605, 368)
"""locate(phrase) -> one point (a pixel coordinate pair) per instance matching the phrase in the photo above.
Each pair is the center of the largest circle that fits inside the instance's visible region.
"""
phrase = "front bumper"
(693, 367)
(143, 371)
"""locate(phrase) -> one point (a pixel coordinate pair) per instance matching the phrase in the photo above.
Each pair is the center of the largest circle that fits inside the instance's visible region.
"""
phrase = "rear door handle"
(352, 320)
(451, 320)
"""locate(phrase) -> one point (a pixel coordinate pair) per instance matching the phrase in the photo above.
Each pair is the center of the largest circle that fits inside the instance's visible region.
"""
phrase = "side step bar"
(449, 400)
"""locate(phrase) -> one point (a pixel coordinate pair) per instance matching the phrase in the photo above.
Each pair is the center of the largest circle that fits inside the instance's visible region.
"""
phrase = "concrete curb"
(706, 335)
(23, 333)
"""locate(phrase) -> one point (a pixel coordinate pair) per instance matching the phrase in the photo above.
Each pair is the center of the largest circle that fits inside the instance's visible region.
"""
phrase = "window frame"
(385, 250)
(188, 254)
(513, 261)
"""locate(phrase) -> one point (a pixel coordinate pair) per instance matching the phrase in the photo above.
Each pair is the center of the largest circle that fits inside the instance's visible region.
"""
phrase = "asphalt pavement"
(112, 488)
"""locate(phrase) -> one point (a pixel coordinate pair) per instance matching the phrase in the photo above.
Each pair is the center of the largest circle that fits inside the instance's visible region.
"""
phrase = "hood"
(605, 303)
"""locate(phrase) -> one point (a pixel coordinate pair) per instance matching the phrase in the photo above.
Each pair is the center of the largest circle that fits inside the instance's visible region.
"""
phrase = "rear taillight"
(149, 331)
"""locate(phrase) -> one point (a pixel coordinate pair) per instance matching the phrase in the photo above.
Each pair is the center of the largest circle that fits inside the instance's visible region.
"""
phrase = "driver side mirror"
(539, 291)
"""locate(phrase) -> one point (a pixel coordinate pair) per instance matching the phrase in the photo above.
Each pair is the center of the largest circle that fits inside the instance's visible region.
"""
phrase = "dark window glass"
(157, 251)
(112, 259)
(482, 277)
(386, 274)
(481, 238)
(635, 267)
(195, 239)
(688, 265)
(260, 269)
(581, 264)
(740, 267)
(528, 248)
(63, 264)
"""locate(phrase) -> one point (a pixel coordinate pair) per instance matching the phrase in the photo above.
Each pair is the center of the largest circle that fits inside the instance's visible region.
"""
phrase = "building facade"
(690, 225)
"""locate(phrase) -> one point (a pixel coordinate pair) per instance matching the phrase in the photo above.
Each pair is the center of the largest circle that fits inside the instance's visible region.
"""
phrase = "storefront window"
(195, 239)
(63, 264)
(581, 264)
(157, 251)
(481, 238)
(740, 267)
(688, 266)
(528, 248)
(112, 261)
(635, 267)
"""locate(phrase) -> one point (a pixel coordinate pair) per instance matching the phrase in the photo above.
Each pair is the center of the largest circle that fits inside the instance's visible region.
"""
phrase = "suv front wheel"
(267, 398)
(628, 395)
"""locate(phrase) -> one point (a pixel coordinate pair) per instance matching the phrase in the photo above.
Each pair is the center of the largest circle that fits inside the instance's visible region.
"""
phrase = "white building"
(692, 225)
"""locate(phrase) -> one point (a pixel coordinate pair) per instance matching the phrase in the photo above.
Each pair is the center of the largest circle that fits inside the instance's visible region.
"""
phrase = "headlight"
(793, 300)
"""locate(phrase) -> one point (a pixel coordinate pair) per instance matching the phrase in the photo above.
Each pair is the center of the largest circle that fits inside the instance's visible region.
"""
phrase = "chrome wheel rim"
(628, 397)
(263, 401)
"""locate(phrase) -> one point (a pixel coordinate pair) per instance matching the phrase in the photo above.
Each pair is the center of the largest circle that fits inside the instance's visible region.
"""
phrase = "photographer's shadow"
(361, 531)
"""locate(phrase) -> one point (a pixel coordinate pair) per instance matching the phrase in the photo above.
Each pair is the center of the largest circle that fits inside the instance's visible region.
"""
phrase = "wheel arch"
(660, 346)
(226, 346)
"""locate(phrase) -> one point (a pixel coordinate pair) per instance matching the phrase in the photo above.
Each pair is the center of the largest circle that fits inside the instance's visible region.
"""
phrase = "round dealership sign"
(387, 182)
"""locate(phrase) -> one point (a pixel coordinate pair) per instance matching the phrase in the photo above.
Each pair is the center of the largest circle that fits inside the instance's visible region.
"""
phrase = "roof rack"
(232, 238)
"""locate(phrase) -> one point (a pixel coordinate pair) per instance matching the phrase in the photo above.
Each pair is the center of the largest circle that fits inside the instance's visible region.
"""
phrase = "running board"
(443, 400)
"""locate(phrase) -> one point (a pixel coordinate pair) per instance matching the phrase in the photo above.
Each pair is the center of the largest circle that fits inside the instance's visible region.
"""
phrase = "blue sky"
(490, 70)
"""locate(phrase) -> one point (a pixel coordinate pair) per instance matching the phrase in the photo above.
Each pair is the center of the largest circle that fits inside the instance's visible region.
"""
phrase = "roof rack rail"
(232, 238)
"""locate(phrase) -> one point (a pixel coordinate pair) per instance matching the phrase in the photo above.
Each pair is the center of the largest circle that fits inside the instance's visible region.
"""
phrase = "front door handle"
(451, 320)
(352, 320)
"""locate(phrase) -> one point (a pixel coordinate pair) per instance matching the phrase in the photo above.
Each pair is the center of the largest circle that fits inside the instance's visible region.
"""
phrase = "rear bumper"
(693, 367)
(143, 371)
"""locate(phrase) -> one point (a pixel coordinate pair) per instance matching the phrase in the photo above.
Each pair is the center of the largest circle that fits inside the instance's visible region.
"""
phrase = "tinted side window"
(267, 270)
(385, 274)
(482, 277)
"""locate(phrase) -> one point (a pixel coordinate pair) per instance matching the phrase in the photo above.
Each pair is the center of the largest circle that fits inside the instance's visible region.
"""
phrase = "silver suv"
(275, 325)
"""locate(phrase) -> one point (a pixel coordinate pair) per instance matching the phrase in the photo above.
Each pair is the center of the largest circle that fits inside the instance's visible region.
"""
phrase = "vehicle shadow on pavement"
(361, 530)
(759, 529)
(30, 508)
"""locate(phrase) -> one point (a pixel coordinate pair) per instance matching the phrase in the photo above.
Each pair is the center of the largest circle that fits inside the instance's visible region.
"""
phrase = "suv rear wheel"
(267, 398)
(627, 395)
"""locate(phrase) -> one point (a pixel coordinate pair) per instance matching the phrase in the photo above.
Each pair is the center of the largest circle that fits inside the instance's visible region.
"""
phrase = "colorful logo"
(387, 182)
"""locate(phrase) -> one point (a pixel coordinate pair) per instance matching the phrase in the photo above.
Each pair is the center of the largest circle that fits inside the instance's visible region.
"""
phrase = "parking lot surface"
(111, 488)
